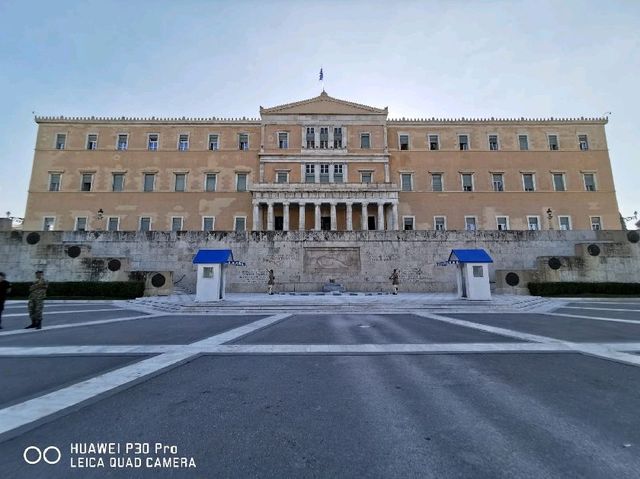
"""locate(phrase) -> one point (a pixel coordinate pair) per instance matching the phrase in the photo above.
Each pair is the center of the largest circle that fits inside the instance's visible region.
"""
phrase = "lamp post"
(550, 217)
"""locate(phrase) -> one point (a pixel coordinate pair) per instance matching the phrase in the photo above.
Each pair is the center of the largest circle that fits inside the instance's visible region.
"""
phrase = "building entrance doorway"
(325, 223)
(278, 223)
(372, 222)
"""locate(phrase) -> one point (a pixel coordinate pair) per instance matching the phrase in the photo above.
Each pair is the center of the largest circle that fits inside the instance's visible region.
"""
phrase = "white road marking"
(47, 313)
(37, 409)
(601, 309)
(75, 325)
(596, 318)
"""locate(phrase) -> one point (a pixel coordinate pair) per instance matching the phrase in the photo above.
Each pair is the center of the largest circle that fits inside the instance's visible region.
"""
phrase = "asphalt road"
(509, 414)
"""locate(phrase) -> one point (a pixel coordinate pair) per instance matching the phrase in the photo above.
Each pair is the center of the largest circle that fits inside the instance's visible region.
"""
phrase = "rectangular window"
(243, 141)
(528, 182)
(61, 141)
(309, 173)
(366, 177)
(152, 142)
(502, 222)
(145, 223)
(176, 223)
(207, 271)
(596, 223)
(92, 142)
(311, 138)
(208, 223)
(498, 181)
(117, 183)
(113, 223)
(337, 137)
(408, 223)
(493, 142)
(54, 181)
(180, 182)
(324, 173)
(440, 223)
(324, 137)
(478, 272)
(183, 142)
(463, 142)
(470, 223)
(123, 141)
(467, 182)
(149, 181)
(210, 180)
(589, 182)
(48, 223)
(87, 180)
(240, 223)
(553, 142)
(558, 182)
(282, 177)
(523, 142)
(241, 182)
(283, 140)
(213, 142)
(533, 222)
(81, 223)
(583, 141)
(564, 222)
(434, 142)
(404, 142)
(436, 182)
(338, 173)
(365, 140)
(406, 181)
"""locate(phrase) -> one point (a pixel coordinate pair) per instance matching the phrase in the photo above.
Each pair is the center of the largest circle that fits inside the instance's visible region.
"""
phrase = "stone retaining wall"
(304, 261)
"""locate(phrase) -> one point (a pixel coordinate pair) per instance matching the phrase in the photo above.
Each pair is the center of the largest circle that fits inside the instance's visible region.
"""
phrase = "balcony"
(333, 187)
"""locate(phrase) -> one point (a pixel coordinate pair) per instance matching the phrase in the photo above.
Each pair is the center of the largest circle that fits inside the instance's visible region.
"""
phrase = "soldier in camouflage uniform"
(37, 293)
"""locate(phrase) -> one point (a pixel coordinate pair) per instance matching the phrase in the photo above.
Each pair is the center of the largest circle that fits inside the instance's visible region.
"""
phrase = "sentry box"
(212, 265)
(472, 273)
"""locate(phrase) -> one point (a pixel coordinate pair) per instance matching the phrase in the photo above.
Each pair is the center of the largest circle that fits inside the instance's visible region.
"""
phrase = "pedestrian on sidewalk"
(37, 293)
(270, 282)
(5, 289)
(395, 280)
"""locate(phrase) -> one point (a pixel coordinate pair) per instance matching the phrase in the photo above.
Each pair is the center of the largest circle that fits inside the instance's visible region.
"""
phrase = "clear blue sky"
(422, 58)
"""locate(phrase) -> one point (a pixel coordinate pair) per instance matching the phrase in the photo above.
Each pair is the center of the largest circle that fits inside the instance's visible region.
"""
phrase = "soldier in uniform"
(5, 288)
(271, 281)
(395, 280)
(37, 293)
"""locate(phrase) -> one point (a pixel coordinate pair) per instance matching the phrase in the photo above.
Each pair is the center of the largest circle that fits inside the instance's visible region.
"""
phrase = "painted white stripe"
(36, 409)
(595, 318)
(75, 325)
(47, 313)
(87, 350)
(601, 309)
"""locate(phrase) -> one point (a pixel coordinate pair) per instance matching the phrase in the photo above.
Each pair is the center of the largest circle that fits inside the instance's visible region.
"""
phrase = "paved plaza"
(307, 387)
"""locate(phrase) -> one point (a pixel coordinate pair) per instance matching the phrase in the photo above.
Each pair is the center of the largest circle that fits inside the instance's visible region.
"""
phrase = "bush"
(576, 289)
(82, 289)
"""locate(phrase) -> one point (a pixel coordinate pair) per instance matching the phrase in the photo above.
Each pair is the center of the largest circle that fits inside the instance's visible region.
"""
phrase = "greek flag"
(321, 75)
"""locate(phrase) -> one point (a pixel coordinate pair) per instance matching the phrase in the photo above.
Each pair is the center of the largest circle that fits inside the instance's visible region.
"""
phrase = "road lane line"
(601, 309)
(596, 318)
(47, 313)
(75, 325)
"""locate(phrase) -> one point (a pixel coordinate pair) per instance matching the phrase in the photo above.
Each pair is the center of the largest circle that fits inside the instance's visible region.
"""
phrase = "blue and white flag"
(321, 75)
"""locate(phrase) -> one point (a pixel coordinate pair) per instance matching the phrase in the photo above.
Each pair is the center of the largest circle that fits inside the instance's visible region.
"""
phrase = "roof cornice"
(155, 120)
(492, 120)
(323, 97)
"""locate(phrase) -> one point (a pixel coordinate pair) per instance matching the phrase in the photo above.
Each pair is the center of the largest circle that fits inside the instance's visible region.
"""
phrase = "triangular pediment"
(323, 104)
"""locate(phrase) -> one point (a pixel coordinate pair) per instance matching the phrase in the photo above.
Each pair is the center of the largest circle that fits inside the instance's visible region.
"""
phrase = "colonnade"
(390, 207)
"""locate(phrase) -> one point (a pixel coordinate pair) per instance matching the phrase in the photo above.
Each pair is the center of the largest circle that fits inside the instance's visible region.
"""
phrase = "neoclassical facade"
(321, 164)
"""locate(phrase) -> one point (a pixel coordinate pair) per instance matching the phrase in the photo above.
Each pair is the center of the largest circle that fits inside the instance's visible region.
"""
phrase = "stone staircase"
(183, 303)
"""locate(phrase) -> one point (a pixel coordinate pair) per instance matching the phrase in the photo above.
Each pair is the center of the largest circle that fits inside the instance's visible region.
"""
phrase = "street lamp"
(550, 217)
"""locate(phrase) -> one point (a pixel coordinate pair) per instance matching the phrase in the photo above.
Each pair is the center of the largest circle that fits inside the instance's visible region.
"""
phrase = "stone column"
(364, 221)
(301, 216)
(349, 216)
(317, 217)
(285, 214)
(256, 216)
(394, 216)
(380, 216)
(270, 216)
(334, 217)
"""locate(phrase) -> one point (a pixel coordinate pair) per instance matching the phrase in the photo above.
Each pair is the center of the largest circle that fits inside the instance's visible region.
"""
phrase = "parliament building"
(320, 164)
